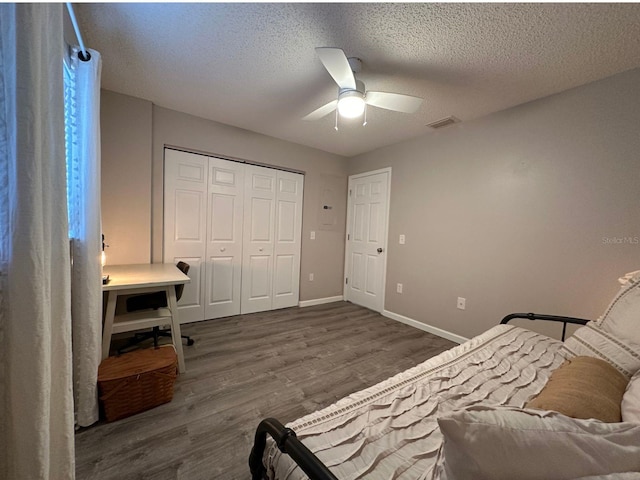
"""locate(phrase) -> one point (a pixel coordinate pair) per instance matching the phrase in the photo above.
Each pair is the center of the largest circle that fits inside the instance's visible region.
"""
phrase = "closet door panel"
(258, 239)
(185, 209)
(260, 281)
(284, 275)
(221, 290)
(224, 238)
(288, 226)
(238, 226)
(261, 229)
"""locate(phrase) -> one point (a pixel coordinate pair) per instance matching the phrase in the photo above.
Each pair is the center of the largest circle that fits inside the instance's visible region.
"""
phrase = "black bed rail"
(552, 318)
(287, 442)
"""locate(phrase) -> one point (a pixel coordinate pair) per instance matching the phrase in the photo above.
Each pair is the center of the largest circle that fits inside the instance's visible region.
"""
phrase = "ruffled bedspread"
(390, 430)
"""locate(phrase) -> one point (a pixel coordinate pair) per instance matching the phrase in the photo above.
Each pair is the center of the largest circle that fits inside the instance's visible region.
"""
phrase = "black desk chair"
(155, 301)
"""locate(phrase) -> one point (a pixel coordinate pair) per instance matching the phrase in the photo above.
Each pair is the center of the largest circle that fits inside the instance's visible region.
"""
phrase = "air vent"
(443, 122)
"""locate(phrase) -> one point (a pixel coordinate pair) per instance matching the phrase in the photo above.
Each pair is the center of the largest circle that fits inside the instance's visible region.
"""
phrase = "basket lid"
(136, 362)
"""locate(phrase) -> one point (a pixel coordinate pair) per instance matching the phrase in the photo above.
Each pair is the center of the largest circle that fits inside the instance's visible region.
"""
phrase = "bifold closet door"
(258, 238)
(271, 238)
(224, 238)
(185, 224)
(288, 231)
(238, 226)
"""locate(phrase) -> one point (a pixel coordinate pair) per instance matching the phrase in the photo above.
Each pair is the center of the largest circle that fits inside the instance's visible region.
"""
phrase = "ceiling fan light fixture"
(351, 104)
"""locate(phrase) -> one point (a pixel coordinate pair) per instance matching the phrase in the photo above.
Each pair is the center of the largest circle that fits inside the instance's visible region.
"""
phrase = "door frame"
(383, 289)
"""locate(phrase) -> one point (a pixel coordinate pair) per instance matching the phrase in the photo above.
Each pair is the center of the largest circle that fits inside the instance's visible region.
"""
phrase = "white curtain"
(36, 398)
(82, 95)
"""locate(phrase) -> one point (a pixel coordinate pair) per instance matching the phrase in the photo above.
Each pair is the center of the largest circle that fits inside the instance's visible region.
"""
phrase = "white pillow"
(593, 341)
(622, 317)
(485, 442)
(630, 406)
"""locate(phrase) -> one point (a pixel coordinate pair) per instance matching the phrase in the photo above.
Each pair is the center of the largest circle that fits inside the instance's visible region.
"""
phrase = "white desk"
(136, 279)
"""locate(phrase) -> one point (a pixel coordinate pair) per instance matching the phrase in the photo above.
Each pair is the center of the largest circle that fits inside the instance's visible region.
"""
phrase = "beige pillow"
(622, 316)
(628, 278)
(593, 341)
(583, 387)
(631, 400)
(509, 443)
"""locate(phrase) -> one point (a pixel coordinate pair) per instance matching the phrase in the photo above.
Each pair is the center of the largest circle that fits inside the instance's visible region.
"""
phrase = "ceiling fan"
(352, 96)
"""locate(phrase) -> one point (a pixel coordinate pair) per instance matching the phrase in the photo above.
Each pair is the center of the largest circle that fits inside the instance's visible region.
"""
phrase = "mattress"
(390, 430)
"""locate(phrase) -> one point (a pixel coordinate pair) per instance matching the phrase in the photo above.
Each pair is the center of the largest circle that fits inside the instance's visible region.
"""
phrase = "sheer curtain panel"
(82, 112)
(36, 405)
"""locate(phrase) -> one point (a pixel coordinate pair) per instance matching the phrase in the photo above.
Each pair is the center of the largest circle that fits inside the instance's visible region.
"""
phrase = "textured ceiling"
(254, 65)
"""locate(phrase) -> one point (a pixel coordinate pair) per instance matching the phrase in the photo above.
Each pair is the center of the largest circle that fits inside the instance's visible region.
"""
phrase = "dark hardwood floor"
(281, 364)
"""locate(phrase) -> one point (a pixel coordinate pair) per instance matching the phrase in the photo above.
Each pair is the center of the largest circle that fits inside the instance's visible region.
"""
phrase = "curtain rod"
(83, 54)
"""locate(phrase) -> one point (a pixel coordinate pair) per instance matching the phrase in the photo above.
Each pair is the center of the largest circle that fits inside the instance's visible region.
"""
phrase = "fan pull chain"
(336, 126)
(365, 115)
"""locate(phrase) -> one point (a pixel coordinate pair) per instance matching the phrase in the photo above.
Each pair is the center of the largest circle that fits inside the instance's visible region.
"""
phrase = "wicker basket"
(137, 381)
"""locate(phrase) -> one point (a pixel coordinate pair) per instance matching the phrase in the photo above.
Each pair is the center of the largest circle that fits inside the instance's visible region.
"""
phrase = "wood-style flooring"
(281, 364)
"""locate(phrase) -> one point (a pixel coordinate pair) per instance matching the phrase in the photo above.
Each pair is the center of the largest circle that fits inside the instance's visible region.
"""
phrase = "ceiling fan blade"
(394, 101)
(322, 111)
(336, 63)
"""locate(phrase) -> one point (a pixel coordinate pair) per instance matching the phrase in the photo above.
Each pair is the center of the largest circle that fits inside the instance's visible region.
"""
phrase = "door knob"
(379, 249)
(260, 249)
(222, 249)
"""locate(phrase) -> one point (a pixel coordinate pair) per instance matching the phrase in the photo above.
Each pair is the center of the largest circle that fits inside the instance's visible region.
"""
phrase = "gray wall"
(518, 211)
(126, 177)
(134, 133)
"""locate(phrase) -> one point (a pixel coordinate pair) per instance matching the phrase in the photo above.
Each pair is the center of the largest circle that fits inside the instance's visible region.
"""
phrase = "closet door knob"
(222, 249)
(260, 249)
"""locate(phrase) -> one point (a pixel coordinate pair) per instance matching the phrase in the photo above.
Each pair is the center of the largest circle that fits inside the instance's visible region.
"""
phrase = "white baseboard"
(320, 301)
(423, 326)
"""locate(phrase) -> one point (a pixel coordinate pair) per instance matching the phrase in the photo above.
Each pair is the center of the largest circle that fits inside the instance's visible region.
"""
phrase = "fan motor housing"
(358, 90)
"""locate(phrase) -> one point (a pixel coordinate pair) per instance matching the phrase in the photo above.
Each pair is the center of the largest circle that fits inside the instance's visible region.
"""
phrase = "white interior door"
(258, 239)
(288, 230)
(365, 262)
(224, 238)
(185, 217)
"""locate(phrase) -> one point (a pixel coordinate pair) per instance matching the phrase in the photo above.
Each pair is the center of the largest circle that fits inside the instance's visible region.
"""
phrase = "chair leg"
(155, 333)
(139, 337)
(167, 333)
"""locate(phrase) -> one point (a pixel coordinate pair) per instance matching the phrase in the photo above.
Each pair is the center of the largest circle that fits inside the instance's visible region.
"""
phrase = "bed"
(471, 411)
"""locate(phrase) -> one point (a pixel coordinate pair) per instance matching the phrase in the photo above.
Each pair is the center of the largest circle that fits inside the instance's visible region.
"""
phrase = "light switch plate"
(402, 239)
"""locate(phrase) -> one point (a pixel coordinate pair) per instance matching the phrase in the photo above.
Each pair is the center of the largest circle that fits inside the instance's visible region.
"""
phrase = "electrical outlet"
(399, 288)
(402, 239)
(311, 277)
(462, 303)
(313, 235)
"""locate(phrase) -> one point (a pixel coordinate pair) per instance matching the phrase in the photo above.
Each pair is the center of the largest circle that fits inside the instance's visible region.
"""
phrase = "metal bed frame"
(288, 443)
(551, 318)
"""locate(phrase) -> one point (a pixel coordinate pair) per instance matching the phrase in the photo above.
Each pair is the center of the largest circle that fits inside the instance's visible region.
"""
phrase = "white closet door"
(258, 238)
(185, 217)
(239, 228)
(224, 238)
(288, 229)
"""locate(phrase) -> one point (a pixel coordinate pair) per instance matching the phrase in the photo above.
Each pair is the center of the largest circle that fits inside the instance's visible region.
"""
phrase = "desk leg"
(175, 326)
(112, 296)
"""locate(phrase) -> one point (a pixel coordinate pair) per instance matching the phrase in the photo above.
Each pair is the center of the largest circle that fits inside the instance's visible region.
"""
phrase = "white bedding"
(390, 430)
